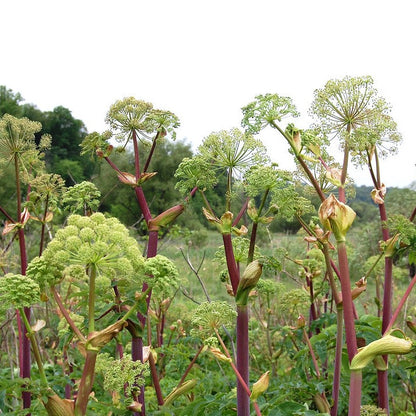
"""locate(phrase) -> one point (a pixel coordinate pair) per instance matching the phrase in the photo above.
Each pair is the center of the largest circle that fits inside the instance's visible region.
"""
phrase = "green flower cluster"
(118, 373)
(266, 110)
(130, 114)
(210, 316)
(352, 110)
(233, 149)
(85, 243)
(18, 291)
(195, 172)
(82, 197)
(164, 276)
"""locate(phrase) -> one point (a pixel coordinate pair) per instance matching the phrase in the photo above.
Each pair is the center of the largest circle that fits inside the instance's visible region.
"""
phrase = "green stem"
(228, 193)
(305, 167)
(35, 348)
(91, 299)
(42, 233)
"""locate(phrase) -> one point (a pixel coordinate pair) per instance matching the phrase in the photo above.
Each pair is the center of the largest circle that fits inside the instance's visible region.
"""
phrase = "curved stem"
(66, 315)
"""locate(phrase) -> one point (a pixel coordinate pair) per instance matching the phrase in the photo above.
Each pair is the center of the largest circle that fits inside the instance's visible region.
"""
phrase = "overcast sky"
(204, 60)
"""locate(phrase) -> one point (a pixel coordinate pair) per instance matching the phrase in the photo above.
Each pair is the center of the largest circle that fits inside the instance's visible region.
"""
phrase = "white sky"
(204, 60)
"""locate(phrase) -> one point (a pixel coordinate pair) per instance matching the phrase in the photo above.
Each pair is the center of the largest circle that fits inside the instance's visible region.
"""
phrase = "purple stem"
(382, 376)
(243, 400)
(231, 263)
(348, 307)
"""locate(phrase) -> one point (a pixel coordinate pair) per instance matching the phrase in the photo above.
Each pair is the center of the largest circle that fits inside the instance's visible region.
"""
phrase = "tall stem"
(231, 263)
(356, 377)
(24, 343)
(35, 348)
(243, 401)
(91, 300)
(86, 384)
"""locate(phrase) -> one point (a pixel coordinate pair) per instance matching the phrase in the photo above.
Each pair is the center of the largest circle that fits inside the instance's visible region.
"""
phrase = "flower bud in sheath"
(166, 217)
(389, 344)
(336, 216)
(260, 386)
(248, 281)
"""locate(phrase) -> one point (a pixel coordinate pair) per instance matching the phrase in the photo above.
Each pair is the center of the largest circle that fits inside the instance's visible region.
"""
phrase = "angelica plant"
(352, 111)
(136, 123)
(20, 292)
(18, 149)
(96, 255)
(247, 168)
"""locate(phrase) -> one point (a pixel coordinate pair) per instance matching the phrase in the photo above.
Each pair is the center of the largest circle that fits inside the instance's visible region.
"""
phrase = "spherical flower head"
(45, 187)
(233, 149)
(97, 144)
(85, 243)
(131, 115)
(261, 178)
(121, 372)
(195, 172)
(17, 137)
(267, 110)
(289, 203)
(45, 272)
(164, 276)
(295, 302)
(18, 291)
(352, 110)
(211, 316)
(82, 197)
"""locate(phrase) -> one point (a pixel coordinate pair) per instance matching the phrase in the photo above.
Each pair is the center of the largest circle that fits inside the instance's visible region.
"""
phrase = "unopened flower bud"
(260, 386)
(336, 216)
(252, 211)
(166, 217)
(248, 281)
(388, 344)
(57, 406)
(178, 391)
(411, 324)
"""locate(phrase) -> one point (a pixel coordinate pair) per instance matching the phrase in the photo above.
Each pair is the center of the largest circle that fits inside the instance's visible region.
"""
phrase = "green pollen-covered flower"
(161, 275)
(131, 115)
(352, 110)
(261, 178)
(195, 172)
(85, 243)
(83, 197)
(18, 291)
(17, 138)
(210, 317)
(233, 149)
(267, 110)
(119, 373)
